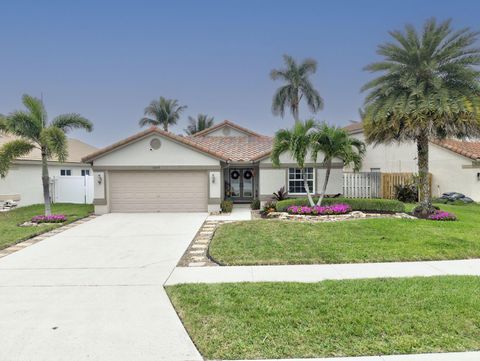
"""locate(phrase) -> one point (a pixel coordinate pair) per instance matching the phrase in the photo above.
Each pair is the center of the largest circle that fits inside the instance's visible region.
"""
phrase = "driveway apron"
(95, 292)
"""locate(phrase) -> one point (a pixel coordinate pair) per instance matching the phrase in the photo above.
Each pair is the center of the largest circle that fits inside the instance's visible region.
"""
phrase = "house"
(156, 171)
(454, 164)
(23, 182)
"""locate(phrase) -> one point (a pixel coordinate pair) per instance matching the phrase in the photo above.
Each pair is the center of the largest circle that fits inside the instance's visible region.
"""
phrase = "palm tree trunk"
(307, 189)
(46, 183)
(325, 183)
(165, 127)
(425, 207)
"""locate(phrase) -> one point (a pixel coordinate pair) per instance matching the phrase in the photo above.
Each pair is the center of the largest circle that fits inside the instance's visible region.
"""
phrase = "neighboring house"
(454, 164)
(23, 182)
(156, 171)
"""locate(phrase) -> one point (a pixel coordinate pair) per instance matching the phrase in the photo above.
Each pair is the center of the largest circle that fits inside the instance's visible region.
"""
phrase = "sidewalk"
(316, 273)
(240, 212)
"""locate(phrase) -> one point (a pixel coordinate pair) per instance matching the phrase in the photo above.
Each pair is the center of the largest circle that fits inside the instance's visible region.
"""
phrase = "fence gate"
(390, 180)
(362, 184)
(73, 189)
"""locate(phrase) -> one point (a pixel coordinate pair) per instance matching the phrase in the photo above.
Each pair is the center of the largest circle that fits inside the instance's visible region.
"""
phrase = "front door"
(241, 184)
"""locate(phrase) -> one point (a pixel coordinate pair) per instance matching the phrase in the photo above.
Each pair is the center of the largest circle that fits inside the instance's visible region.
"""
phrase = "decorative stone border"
(335, 217)
(196, 254)
(23, 244)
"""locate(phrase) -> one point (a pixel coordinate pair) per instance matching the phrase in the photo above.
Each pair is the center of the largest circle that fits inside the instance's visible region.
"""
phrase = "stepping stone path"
(21, 245)
(196, 254)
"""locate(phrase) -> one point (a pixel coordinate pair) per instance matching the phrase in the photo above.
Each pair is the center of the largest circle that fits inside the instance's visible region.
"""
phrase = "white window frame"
(313, 181)
(375, 170)
(65, 171)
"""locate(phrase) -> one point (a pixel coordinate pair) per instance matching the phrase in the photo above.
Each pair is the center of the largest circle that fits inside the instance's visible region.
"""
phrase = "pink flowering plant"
(53, 218)
(442, 216)
(320, 210)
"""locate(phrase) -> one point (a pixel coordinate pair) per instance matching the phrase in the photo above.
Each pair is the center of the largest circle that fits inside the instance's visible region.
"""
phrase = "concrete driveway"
(95, 292)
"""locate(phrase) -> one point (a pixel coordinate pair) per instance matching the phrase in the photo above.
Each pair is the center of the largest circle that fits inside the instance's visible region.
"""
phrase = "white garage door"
(158, 191)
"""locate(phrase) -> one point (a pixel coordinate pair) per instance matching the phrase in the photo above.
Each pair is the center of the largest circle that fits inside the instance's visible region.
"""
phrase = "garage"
(158, 191)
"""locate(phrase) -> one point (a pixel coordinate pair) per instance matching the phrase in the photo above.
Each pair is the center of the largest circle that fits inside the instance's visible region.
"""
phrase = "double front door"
(241, 184)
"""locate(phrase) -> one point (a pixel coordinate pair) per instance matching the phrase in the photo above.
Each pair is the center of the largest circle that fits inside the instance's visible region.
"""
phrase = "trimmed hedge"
(357, 204)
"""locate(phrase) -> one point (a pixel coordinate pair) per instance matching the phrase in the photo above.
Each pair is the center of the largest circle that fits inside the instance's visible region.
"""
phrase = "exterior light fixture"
(99, 179)
(213, 178)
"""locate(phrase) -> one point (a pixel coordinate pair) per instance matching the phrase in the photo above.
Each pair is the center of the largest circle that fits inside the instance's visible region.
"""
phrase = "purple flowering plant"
(320, 210)
(54, 218)
(442, 216)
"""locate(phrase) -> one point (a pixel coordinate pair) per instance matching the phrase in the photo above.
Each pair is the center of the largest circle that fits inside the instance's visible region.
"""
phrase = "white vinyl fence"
(362, 184)
(72, 189)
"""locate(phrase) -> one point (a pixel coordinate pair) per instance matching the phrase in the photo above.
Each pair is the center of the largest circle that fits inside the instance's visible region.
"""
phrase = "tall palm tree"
(428, 88)
(297, 141)
(335, 142)
(201, 122)
(162, 112)
(297, 86)
(33, 131)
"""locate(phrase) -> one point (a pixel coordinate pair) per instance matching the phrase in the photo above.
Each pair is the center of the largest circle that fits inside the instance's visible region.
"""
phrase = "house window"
(295, 180)
(85, 172)
(375, 170)
(65, 172)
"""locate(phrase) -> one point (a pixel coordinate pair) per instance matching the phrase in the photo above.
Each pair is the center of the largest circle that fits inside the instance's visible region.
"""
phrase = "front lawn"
(331, 318)
(11, 233)
(370, 240)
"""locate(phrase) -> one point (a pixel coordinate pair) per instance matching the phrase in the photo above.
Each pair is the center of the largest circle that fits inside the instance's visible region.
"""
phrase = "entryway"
(240, 184)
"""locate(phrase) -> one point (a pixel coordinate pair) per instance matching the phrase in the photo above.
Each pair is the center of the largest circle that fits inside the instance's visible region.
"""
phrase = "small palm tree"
(297, 86)
(428, 88)
(32, 129)
(297, 141)
(163, 112)
(335, 142)
(198, 124)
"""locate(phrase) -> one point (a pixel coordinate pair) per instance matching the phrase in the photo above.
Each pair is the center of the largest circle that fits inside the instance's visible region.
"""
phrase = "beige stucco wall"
(25, 179)
(271, 180)
(335, 181)
(447, 168)
(215, 184)
(170, 153)
(226, 131)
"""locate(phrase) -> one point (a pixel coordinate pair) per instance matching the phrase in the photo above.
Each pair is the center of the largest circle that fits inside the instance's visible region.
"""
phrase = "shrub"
(268, 207)
(53, 218)
(280, 195)
(407, 193)
(320, 210)
(255, 204)
(442, 216)
(357, 204)
(226, 206)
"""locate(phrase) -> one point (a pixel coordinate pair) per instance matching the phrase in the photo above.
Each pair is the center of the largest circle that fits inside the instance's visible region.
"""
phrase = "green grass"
(331, 318)
(371, 240)
(11, 233)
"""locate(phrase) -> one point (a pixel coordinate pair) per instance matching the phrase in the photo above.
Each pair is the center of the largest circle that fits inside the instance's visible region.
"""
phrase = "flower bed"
(320, 210)
(442, 216)
(54, 218)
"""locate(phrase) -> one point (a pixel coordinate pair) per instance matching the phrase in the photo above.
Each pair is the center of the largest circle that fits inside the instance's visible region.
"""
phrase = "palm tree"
(162, 112)
(33, 131)
(335, 142)
(297, 86)
(198, 124)
(297, 141)
(428, 88)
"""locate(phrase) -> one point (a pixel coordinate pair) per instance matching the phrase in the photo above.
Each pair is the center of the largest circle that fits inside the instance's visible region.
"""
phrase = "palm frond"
(23, 124)
(70, 121)
(36, 108)
(11, 151)
(55, 142)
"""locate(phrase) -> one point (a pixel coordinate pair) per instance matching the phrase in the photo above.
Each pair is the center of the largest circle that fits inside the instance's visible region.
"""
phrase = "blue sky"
(108, 59)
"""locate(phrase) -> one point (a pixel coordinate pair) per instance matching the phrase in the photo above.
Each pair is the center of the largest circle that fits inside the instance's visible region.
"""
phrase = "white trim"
(313, 184)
